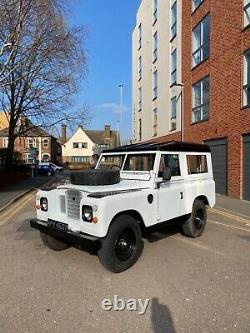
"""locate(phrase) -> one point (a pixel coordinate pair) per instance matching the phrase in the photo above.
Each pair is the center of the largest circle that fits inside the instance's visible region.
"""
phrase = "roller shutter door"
(219, 158)
(246, 167)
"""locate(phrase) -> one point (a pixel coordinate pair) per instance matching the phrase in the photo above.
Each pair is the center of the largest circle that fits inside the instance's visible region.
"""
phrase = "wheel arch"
(203, 198)
(131, 212)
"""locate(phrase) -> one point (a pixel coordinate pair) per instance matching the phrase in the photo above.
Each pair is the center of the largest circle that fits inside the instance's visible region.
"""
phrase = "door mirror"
(166, 174)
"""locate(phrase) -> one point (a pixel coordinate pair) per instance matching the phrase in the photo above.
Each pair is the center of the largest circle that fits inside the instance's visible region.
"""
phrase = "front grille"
(73, 199)
(63, 204)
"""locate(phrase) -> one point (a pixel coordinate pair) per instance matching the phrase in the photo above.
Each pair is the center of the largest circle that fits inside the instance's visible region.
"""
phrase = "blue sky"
(110, 24)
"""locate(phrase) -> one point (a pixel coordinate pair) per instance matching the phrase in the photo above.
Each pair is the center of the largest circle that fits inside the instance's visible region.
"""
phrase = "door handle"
(181, 195)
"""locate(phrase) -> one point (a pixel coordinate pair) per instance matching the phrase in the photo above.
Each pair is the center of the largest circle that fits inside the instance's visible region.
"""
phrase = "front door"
(170, 193)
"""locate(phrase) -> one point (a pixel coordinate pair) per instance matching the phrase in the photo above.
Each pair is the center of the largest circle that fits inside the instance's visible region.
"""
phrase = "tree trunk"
(10, 150)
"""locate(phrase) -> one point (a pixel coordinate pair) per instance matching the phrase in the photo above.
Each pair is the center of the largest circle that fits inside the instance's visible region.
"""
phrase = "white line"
(228, 226)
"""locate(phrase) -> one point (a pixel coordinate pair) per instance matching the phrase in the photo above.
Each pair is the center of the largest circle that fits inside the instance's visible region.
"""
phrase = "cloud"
(113, 107)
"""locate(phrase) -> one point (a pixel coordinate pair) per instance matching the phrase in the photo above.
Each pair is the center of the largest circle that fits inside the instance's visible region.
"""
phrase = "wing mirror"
(166, 174)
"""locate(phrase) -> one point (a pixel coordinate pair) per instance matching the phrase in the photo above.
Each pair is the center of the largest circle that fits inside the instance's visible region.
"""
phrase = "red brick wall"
(225, 65)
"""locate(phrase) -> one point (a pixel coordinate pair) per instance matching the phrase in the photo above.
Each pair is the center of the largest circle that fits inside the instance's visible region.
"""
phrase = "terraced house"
(202, 87)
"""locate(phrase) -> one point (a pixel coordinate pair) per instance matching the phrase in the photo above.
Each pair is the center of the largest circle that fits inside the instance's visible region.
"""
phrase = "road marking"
(200, 246)
(229, 215)
(6, 216)
(228, 225)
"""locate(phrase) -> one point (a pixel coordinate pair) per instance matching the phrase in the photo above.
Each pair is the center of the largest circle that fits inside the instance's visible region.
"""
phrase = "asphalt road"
(195, 286)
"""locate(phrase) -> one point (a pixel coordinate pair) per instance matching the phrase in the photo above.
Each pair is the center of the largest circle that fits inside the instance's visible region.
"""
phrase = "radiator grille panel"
(73, 199)
(63, 204)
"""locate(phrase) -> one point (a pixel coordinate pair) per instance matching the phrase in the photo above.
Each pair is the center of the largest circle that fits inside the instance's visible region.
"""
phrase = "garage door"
(246, 167)
(219, 157)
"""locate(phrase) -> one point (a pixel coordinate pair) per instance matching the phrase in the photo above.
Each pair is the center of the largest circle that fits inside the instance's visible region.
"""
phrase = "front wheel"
(122, 246)
(53, 243)
(195, 224)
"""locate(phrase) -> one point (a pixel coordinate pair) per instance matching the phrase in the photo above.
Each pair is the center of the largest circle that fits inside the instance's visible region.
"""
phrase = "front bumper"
(72, 237)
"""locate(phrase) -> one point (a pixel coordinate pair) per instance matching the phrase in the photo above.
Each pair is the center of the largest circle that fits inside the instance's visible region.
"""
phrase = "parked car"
(55, 167)
(44, 169)
(132, 188)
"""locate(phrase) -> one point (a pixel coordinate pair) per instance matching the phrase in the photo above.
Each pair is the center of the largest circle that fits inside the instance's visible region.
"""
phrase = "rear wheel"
(53, 243)
(195, 224)
(123, 245)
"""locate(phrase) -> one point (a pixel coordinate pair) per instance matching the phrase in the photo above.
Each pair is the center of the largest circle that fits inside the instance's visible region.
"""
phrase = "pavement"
(239, 208)
(194, 285)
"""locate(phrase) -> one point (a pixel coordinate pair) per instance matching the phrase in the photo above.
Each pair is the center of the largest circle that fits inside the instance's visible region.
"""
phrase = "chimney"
(64, 134)
(107, 134)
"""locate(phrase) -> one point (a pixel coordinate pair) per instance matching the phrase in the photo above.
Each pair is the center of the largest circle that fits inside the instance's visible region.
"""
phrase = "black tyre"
(123, 245)
(95, 177)
(195, 224)
(53, 243)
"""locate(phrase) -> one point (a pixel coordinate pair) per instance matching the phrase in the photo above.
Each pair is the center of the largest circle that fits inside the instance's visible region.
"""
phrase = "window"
(201, 41)
(155, 10)
(78, 145)
(155, 122)
(173, 114)
(174, 20)
(108, 161)
(139, 36)
(139, 162)
(140, 99)
(30, 143)
(5, 142)
(170, 161)
(155, 42)
(196, 4)
(173, 66)
(246, 13)
(28, 159)
(155, 81)
(140, 129)
(197, 164)
(201, 92)
(46, 157)
(80, 159)
(45, 143)
(246, 79)
(140, 68)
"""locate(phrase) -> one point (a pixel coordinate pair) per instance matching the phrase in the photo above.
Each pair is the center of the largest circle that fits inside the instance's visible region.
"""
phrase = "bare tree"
(41, 61)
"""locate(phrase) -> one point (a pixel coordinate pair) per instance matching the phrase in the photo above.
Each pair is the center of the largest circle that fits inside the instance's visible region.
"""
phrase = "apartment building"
(156, 44)
(215, 73)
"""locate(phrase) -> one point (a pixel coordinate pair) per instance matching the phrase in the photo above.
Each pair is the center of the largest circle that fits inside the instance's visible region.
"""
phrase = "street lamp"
(121, 109)
(182, 108)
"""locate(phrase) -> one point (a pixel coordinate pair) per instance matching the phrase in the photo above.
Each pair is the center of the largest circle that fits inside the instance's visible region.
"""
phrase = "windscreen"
(139, 162)
(111, 162)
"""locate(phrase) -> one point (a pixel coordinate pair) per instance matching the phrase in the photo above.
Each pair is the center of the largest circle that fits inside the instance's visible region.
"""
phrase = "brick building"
(215, 74)
(46, 145)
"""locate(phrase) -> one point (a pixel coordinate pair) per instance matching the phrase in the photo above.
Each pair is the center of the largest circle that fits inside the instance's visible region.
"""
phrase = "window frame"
(140, 99)
(174, 20)
(245, 8)
(155, 11)
(5, 142)
(202, 44)
(173, 74)
(246, 80)
(174, 98)
(139, 36)
(155, 46)
(47, 144)
(202, 105)
(155, 122)
(189, 173)
(139, 68)
(180, 168)
(155, 85)
(194, 8)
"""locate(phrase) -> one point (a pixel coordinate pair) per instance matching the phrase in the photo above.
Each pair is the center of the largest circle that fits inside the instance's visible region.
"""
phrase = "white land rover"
(131, 188)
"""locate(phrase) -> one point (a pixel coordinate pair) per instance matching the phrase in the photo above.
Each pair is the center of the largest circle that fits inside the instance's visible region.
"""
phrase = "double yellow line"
(11, 211)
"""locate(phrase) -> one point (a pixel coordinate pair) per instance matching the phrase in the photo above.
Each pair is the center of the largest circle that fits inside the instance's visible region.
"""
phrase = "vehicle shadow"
(247, 238)
(162, 230)
(161, 318)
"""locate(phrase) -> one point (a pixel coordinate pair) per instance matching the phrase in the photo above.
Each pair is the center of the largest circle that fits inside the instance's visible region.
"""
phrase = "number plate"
(58, 225)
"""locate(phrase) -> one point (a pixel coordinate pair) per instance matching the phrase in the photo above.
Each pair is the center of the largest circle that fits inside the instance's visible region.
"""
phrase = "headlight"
(87, 214)
(44, 204)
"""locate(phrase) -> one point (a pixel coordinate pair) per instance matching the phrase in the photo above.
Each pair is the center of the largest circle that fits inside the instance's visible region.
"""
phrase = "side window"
(197, 164)
(172, 162)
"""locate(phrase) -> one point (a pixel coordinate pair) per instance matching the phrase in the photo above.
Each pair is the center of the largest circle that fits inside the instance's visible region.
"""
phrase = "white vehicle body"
(143, 194)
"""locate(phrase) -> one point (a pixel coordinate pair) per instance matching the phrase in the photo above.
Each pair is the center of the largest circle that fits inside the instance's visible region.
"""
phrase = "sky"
(108, 48)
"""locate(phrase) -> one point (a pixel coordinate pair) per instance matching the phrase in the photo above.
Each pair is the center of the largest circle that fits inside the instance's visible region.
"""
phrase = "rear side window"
(171, 162)
(197, 164)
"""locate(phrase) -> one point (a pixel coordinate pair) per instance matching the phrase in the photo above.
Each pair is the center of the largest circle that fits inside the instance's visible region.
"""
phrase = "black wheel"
(195, 224)
(95, 177)
(53, 243)
(123, 245)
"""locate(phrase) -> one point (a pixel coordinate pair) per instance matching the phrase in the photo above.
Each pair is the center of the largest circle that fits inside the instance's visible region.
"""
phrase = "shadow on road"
(161, 318)
(247, 238)
(161, 231)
